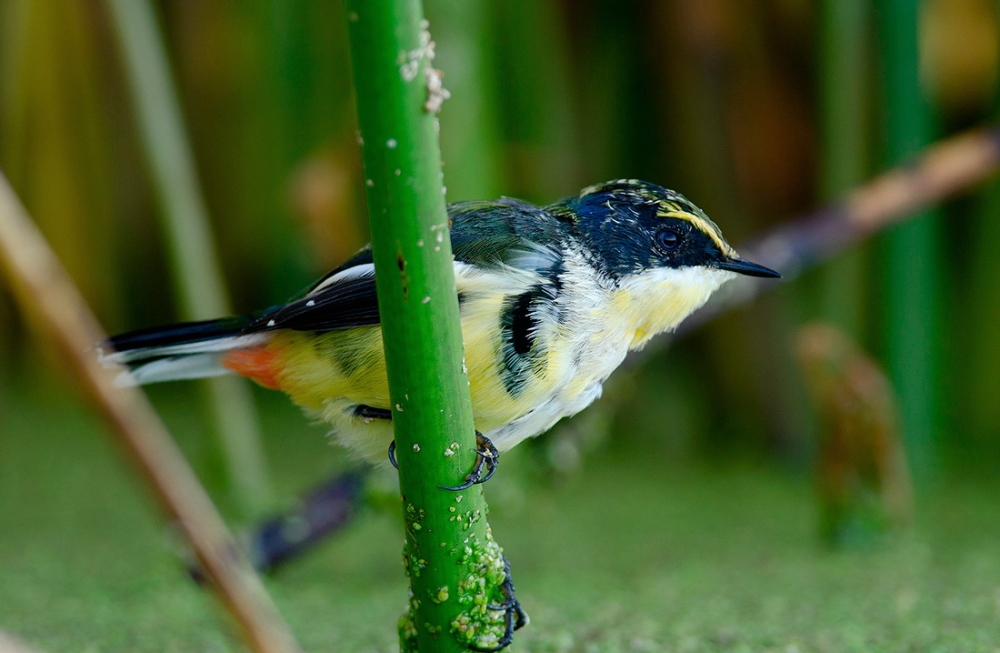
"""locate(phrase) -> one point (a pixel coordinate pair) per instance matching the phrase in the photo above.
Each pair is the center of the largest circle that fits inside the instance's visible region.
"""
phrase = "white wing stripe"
(365, 269)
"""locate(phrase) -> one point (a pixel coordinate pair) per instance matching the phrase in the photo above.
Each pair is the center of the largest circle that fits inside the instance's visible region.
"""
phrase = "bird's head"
(661, 253)
(630, 226)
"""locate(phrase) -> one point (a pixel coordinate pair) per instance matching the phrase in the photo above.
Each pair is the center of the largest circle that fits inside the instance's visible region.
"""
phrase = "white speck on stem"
(436, 92)
(426, 300)
(399, 408)
(416, 447)
(449, 452)
(420, 243)
(369, 183)
(408, 70)
(398, 172)
(409, 61)
(391, 143)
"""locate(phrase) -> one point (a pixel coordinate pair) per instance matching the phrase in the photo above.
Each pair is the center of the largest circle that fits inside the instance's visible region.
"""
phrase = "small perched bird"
(551, 298)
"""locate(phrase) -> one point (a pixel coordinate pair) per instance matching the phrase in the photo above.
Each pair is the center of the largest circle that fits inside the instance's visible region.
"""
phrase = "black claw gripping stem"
(486, 456)
(514, 616)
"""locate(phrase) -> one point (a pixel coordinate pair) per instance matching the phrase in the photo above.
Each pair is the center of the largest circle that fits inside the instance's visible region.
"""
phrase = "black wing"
(344, 304)
(483, 233)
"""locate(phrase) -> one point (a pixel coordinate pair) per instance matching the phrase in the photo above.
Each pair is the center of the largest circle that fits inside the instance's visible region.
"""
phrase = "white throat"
(658, 300)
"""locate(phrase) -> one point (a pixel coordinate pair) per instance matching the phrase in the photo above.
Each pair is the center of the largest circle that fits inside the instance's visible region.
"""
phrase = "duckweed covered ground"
(632, 555)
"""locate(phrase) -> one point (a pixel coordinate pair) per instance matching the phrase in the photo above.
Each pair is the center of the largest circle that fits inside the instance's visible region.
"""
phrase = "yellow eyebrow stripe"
(703, 225)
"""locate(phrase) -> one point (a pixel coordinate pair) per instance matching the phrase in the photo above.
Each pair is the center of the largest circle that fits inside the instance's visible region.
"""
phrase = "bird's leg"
(514, 616)
(392, 454)
(368, 413)
(486, 456)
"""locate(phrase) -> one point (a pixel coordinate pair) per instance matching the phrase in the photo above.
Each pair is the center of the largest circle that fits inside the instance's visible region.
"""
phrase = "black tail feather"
(177, 334)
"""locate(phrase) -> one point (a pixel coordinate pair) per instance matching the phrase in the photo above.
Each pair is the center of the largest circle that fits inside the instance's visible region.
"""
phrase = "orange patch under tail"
(258, 363)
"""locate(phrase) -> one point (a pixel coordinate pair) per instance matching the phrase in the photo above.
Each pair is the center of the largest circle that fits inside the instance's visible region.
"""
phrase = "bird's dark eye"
(668, 239)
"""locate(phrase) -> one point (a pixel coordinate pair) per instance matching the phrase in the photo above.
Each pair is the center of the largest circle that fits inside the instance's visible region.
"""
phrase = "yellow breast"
(659, 300)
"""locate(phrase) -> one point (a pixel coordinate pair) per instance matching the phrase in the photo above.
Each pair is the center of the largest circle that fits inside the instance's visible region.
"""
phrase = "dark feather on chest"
(523, 347)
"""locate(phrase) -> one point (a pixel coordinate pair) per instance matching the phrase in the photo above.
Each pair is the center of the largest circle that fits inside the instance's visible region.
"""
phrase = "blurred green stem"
(540, 115)
(470, 146)
(449, 555)
(843, 82)
(912, 266)
(194, 264)
(44, 288)
(981, 385)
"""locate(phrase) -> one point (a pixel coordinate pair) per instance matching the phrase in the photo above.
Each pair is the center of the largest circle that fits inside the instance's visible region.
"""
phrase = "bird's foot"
(368, 413)
(486, 456)
(514, 617)
(392, 454)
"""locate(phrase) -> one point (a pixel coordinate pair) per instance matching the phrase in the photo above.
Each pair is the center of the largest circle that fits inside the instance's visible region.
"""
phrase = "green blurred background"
(756, 111)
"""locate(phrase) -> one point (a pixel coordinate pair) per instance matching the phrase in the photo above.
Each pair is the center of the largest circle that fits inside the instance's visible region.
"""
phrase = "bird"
(551, 301)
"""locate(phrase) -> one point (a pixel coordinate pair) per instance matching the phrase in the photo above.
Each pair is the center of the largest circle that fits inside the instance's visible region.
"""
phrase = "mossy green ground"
(633, 554)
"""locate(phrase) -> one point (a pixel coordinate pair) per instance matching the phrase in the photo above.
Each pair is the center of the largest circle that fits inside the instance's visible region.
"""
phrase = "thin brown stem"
(11, 644)
(941, 170)
(43, 287)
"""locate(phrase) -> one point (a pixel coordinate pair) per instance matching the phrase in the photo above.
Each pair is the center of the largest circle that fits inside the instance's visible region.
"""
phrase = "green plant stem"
(538, 106)
(471, 144)
(448, 551)
(980, 385)
(843, 71)
(911, 255)
(194, 264)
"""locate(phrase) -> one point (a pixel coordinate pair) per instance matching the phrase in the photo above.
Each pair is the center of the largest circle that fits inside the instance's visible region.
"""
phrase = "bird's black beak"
(748, 268)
